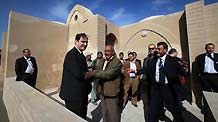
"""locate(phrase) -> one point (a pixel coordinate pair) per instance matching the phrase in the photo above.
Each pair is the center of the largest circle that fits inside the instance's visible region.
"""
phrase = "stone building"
(187, 31)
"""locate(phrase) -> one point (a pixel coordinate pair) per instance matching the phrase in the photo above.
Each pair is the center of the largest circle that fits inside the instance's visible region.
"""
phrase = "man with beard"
(163, 73)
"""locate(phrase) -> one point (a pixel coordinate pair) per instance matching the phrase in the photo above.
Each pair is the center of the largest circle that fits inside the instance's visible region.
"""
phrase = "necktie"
(210, 56)
(161, 72)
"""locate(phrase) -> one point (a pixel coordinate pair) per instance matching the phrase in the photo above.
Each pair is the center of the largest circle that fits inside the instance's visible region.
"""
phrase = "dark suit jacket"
(200, 62)
(74, 87)
(172, 70)
(21, 66)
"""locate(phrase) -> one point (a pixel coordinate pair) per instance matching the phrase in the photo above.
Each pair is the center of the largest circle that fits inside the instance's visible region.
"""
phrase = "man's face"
(210, 48)
(82, 43)
(161, 51)
(27, 53)
(121, 56)
(99, 55)
(108, 52)
(151, 49)
(88, 57)
(131, 57)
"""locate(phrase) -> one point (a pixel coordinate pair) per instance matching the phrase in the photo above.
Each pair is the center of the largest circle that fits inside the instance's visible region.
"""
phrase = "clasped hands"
(130, 71)
(89, 75)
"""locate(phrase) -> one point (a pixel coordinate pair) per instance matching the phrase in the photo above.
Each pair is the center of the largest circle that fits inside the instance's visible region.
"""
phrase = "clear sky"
(119, 12)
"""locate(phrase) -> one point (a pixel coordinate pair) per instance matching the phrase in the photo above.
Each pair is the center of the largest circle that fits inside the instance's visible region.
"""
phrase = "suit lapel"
(25, 63)
(216, 61)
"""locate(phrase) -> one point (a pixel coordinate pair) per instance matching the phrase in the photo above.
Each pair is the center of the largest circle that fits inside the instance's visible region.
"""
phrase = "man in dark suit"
(145, 85)
(207, 68)
(26, 68)
(163, 73)
(74, 87)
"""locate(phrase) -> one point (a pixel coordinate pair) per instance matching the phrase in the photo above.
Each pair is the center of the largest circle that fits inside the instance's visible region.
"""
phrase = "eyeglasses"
(151, 48)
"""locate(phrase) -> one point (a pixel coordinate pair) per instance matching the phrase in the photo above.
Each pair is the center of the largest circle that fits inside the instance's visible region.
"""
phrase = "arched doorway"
(111, 39)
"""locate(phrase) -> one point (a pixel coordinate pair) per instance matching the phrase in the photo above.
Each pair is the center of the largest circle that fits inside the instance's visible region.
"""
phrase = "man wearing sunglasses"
(145, 85)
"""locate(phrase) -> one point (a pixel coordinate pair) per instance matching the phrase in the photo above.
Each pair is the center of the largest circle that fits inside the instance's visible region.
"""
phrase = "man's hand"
(89, 75)
(130, 71)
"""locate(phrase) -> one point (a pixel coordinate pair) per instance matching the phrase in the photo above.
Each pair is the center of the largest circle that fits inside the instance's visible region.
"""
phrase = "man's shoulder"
(20, 59)
(33, 58)
(116, 59)
(72, 52)
(200, 56)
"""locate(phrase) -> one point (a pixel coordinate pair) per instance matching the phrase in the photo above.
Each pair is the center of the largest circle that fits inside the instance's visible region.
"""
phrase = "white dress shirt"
(163, 58)
(132, 66)
(29, 68)
(106, 62)
(209, 64)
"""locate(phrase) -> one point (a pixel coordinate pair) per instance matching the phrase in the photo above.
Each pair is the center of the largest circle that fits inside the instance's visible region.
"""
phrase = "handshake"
(89, 75)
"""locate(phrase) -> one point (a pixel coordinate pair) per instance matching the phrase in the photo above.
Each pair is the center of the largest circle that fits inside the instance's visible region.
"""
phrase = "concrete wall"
(101, 36)
(167, 26)
(3, 60)
(3, 115)
(26, 104)
(211, 23)
(47, 42)
(202, 27)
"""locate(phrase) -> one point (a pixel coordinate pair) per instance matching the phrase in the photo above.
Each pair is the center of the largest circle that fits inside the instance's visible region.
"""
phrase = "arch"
(81, 11)
(149, 30)
(111, 39)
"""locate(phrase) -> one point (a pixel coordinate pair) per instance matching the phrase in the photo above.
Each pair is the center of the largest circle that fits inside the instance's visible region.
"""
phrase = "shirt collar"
(78, 49)
(109, 59)
(163, 57)
(210, 53)
(27, 58)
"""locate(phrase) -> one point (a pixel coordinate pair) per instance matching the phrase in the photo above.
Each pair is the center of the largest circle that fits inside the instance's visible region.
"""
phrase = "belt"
(27, 74)
(205, 73)
(133, 77)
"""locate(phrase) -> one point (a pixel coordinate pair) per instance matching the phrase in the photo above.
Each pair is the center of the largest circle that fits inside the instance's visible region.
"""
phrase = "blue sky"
(119, 12)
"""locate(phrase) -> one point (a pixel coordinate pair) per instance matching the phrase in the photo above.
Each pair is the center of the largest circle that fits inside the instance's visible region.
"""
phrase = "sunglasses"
(151, 48)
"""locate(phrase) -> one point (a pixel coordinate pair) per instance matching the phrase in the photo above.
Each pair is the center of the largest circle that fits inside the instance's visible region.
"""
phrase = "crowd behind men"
(158, 83)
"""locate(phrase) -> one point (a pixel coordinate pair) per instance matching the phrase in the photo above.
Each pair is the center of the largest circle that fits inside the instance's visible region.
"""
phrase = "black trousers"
(163, 95)
(29, 79)
(209, 82)
(78, 107)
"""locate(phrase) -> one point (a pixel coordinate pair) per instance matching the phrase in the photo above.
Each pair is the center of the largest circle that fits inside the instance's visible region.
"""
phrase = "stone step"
(133, 114)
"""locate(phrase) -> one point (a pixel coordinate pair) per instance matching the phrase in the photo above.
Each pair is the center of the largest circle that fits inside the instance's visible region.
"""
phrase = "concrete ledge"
(211, 107)
(26, 104)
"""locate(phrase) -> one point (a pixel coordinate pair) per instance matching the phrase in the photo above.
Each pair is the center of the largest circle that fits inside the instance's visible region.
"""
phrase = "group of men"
(160, 79)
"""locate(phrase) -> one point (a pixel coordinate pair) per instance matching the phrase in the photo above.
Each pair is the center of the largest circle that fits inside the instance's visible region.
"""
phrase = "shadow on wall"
(185, 52)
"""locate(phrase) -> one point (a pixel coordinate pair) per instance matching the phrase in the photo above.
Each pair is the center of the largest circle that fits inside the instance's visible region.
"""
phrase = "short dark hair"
(173, 50)
(131, 53)
(25, 50)
(121, 53)
(165, 46)
(79, 35)
(99, 52)
(208, 45)
(135, 53)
